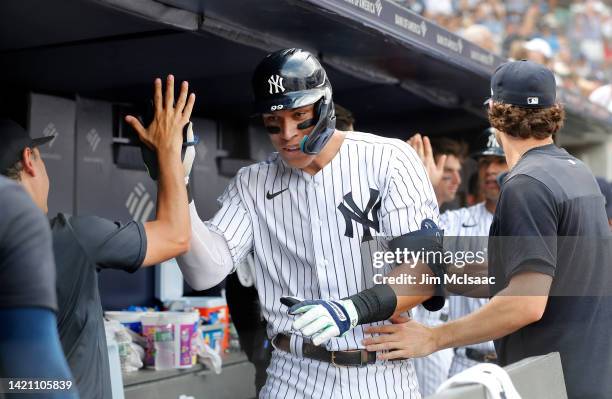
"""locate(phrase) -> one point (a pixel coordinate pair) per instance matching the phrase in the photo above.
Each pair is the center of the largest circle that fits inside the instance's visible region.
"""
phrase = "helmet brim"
(488, 153)
(291, 100)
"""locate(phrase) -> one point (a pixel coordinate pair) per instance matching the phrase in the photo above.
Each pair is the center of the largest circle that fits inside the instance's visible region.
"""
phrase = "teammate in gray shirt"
(84, 245)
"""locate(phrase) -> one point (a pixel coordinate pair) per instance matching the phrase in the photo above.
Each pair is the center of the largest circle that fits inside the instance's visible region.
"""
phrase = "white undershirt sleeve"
(209, 260)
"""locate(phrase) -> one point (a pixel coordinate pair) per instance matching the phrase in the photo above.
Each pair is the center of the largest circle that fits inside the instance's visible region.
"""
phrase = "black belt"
(351, 358)
(480, 356)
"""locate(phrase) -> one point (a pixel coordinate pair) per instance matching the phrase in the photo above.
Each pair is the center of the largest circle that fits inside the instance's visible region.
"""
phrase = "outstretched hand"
(422, 146)
(165, 133)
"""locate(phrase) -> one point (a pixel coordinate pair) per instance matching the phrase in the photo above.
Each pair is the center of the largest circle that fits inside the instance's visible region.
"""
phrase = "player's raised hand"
(165, 133)
(322, 319)
(422, 146)
(404, 339)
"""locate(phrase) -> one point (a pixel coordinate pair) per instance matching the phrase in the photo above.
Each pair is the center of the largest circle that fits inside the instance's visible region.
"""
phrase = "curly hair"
(524, 123)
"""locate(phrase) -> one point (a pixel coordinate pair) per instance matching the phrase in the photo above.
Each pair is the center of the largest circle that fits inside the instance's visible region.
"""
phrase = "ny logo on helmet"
(492, 141)
(276, 84)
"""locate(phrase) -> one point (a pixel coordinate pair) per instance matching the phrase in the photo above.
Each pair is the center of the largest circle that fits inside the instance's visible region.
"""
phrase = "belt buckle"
(362, 361)
(333, 360)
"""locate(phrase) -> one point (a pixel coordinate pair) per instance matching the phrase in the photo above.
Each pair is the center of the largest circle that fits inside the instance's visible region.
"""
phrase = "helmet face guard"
(293, 78)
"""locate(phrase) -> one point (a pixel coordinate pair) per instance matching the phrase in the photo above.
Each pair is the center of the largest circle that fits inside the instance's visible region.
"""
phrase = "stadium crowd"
(571, 37)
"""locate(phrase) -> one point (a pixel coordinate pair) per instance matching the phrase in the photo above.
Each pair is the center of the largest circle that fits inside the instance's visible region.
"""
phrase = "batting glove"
(189, 152)
(187, 155)
(322, 319)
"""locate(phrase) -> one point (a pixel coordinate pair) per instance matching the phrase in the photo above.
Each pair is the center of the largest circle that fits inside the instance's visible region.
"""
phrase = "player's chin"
(296, 159)
(492, 193)
(451, 195)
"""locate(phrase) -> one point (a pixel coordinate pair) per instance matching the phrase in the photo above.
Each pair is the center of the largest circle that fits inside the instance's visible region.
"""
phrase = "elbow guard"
(429, 239)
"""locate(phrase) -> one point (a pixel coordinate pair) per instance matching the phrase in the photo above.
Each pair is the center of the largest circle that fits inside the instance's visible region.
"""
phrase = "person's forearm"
(390, 296)
(411, 295)
(172, 210)
(501, 316)
(473, 270)
(521, 303)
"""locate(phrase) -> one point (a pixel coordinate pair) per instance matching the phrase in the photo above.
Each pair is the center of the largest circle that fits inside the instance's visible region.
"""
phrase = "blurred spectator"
(517, 51)
(549, 33)
(437, 7)
(481, 36)
(572, 37)
(602, 96)
(538, 50)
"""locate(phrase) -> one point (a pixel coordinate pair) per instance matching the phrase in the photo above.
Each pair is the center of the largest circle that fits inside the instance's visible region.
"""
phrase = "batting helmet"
(487, 145)
(293, 78)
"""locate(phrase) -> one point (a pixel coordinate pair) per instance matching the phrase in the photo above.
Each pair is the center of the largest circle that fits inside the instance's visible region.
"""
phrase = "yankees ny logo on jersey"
(276, 84)
(360, 216)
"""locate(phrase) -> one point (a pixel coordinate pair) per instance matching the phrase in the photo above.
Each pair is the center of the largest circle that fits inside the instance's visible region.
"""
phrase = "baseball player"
(443, 159)
(312, 215)
(474, 222)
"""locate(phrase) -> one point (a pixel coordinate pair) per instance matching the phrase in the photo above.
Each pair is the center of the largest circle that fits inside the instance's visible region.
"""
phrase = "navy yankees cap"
(525, 84)
(13, 139)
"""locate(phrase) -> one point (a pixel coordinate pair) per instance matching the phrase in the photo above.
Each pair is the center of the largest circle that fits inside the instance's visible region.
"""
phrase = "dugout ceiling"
(396, 71)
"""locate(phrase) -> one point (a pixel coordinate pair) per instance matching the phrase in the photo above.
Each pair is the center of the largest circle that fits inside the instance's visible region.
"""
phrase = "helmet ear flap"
(307, 124)
(318, 107)
(325, 125)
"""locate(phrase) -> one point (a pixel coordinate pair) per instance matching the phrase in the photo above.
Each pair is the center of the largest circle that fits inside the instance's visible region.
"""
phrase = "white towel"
(495, 379)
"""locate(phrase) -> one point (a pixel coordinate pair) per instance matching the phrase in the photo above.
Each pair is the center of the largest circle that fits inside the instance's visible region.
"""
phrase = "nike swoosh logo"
(269, 195)
(468, 225)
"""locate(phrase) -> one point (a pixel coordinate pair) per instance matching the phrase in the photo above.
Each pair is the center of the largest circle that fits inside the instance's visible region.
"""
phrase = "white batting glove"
(322, 319)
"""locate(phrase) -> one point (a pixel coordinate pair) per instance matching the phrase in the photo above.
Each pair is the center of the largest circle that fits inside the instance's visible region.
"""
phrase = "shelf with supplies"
(196, 382)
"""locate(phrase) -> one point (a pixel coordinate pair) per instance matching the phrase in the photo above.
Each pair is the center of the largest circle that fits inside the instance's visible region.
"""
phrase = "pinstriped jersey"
(473, 222)
(313, 236)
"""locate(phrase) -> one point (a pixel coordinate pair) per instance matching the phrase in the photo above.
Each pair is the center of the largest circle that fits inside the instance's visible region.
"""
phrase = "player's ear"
(28, 156)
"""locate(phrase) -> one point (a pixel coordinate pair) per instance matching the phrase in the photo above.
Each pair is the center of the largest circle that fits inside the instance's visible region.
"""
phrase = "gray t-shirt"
(27, 269)
(84, 245)
(551, 208)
